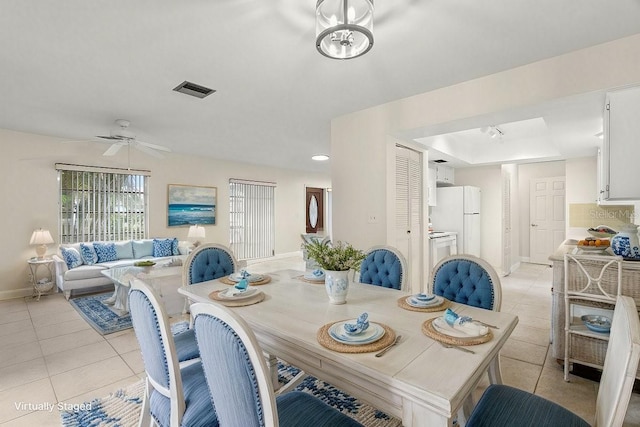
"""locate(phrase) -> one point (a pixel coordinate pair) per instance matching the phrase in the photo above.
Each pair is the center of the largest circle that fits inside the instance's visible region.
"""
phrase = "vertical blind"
(252, 218)
(102, 203)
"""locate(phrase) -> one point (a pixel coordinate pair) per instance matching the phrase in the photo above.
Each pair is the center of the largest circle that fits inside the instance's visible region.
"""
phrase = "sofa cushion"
(105, 251)
(175, 247)
(89, 255)
(71, 257)
(85, 272)
(142, 248)
(162, 247)
(124, 250)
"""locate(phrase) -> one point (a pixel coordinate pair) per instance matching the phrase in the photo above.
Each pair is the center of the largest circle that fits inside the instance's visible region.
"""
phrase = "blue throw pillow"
(72, 257)
(142, 248)
(105, 252)
(124, 250)
(89, 255)
(162, 247)
(174, 247)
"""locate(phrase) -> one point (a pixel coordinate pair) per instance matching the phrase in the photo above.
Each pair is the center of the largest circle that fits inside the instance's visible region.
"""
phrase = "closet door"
(409, 210)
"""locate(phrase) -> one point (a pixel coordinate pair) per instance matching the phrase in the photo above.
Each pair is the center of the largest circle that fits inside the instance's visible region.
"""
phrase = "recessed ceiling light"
(320, 157)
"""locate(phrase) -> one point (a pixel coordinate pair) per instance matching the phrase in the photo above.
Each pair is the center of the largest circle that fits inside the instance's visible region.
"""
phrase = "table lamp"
(41, 238)
(196, 233)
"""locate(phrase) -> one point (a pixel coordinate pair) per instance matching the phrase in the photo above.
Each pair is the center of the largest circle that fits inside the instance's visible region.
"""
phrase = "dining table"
(418, 380)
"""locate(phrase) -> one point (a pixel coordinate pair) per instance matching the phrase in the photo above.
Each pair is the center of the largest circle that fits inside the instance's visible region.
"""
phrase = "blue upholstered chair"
(174, 395)
(384, 266)
(502, 405)
(237, 375)
(207, 262)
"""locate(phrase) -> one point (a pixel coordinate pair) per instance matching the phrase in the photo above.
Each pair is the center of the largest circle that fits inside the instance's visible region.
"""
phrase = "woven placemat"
(431, 332)
(264, 281)
(259, 296)
(326, 341)
(402, 303)
(315, 282)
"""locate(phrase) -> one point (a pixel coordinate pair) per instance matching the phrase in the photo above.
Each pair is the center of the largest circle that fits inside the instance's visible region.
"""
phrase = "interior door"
(315, 209)
(547, 218)
(409, 225)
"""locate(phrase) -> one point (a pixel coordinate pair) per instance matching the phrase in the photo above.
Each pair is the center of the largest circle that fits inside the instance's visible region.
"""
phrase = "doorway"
(547, 217)
(314, 203)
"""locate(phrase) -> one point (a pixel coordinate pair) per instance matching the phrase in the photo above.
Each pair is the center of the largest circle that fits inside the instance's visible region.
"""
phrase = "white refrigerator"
(458, 209)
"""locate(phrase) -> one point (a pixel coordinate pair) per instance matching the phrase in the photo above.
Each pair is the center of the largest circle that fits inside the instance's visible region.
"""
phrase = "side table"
(46, 283)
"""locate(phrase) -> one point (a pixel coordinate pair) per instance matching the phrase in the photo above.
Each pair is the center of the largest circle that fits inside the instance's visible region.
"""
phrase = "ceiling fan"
(123, 137)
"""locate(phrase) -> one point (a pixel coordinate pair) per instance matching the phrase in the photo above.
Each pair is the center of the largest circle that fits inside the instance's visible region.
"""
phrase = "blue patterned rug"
(122, 408)
(99, 315)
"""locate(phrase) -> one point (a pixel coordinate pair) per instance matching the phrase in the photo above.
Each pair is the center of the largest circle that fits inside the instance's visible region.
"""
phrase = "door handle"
(534, 225)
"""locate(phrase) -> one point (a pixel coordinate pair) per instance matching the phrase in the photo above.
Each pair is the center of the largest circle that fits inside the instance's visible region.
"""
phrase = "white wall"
(582, 187)
(30, 195)
(359, 140)
(526, 173)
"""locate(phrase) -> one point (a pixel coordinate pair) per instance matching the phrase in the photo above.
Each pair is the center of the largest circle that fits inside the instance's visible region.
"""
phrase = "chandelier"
(344, 28)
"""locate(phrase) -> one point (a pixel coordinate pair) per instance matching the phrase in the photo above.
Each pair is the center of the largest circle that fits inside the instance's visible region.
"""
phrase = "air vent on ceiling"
(440, 161)
(193, 89)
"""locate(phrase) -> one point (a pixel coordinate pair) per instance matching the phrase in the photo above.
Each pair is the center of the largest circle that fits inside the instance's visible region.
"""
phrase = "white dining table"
(418, 381)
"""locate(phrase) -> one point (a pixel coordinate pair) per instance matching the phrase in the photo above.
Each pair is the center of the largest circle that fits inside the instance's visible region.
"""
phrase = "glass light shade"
(41, 238)
(344, 28)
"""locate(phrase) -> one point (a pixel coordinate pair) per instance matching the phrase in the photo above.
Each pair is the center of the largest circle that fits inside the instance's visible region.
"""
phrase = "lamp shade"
(344, 28)
(41, 238)
(196, 232)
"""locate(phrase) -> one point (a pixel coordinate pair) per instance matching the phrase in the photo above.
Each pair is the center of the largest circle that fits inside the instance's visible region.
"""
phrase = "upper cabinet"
(444, 175)
(619, 158)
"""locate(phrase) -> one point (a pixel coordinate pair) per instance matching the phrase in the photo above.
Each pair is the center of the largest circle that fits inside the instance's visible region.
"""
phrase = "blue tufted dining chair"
(174, 395)
(237, 376)
(502, 405)
(384, 266)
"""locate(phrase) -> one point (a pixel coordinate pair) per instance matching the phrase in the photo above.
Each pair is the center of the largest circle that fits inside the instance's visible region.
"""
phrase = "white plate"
(418, 304)
(440, 325)
(372, 334)
(252, 278)
(227, 294)
(593, 248)
(310, 276)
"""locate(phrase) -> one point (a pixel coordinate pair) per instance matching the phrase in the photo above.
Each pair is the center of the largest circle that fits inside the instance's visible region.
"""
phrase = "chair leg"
(292, 384)
(145, 415)
(495, 375)
(272, 365)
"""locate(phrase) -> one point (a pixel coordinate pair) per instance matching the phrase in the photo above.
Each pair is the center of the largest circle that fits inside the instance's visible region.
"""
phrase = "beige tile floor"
(49, 354)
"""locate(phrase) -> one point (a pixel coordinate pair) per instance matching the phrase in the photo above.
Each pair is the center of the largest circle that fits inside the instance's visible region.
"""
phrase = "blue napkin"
(242, 285)
(361, 325)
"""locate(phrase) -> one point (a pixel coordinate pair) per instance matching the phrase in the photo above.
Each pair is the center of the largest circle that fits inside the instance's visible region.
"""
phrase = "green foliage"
(338, 257)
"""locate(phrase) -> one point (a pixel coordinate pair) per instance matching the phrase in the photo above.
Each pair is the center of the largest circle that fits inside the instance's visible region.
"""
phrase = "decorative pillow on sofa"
(142, 248)
(105, 252)
(124, 250)
(72, 257)
(175, 249)
(162, 247)
(89, 255)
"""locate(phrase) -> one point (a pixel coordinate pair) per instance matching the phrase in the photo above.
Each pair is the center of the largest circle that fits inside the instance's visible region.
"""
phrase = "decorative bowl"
(597, 323)
(602, 232)
(144, 264)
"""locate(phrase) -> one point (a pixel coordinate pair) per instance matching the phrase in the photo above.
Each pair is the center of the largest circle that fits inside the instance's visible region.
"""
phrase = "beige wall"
(359, 140)
(30, 195)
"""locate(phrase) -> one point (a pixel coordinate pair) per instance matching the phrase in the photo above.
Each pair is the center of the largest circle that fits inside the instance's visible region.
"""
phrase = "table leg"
(121, 298)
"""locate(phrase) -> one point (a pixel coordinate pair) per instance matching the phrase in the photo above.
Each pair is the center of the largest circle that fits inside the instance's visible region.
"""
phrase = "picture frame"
(190, 204)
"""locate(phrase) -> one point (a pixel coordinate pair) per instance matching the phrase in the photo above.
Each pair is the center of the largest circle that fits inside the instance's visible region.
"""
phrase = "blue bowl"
(597, 323)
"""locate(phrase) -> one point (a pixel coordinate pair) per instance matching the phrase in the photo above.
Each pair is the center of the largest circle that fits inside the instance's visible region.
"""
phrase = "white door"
(409, 210)
(547, 218)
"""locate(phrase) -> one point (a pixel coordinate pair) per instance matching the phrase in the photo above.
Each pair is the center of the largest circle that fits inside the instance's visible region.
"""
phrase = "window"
(252, 218)
(102, 203)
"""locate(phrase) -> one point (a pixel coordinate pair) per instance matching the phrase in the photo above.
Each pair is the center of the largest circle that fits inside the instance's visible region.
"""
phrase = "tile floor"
(49, 354)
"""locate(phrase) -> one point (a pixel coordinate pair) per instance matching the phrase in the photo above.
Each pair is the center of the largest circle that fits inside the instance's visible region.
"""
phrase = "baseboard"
(16, 293)
(524, 259)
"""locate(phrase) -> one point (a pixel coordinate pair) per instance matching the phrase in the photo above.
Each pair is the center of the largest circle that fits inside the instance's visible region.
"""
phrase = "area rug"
(100, 315)
(122, 408)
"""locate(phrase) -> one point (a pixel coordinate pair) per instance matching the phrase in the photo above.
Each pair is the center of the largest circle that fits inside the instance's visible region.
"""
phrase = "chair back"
(151, 325)
(620, 364)
(384, 266)
(208, 262)
(469, 280)
(234, 367)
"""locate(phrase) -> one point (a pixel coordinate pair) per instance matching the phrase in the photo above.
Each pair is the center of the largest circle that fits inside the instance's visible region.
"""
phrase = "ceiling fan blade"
(111, 151)
(113, 138)
(154, 146)
(148, 150)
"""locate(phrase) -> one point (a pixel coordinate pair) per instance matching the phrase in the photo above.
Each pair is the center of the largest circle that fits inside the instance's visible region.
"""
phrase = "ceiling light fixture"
(492, 131)
(320, 157)
(344, 28)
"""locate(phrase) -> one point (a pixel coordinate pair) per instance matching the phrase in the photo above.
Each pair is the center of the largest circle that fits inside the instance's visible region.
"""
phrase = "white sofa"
(83, 275)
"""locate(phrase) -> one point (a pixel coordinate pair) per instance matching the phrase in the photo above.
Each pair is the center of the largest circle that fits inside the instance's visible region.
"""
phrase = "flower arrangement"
(338, 257)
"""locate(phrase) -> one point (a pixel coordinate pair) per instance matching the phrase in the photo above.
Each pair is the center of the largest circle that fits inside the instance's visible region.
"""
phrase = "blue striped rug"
(99, 315)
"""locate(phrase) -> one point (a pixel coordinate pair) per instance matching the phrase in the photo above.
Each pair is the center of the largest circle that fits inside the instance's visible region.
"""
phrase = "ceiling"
(71, 68)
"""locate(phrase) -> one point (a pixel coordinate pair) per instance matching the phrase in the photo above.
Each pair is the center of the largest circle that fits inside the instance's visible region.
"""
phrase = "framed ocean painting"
(188, 204)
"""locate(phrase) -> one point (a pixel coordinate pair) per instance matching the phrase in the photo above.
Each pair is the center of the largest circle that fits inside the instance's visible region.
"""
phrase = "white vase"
(336, 284)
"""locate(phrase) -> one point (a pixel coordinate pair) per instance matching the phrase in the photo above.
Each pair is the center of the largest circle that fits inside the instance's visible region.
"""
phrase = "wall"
(359, 140)
(30, 195)
(526, 173)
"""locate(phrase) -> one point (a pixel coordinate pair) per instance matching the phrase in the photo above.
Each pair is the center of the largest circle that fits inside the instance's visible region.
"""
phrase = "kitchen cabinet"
(431, 194)
(444, 175)
(618, 171)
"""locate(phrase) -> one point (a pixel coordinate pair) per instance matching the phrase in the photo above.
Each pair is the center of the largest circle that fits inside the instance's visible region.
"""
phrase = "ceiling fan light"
(344, 28)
